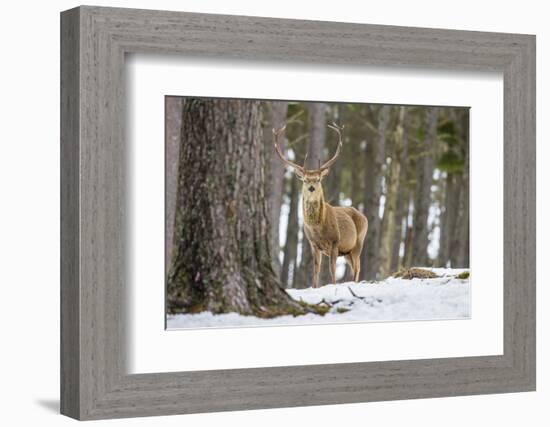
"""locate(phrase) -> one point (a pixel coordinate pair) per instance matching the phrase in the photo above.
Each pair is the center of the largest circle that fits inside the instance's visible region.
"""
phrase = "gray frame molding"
(94, 41)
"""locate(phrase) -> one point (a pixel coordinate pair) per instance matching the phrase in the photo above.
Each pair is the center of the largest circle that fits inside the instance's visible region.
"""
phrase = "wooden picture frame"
(94, 41)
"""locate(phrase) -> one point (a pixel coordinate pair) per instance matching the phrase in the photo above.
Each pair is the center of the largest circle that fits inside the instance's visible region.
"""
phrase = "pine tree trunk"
(462, 237)
(390, 208)
(276, 174)
(370, 210)
(455, 235)
(171, 153)
(375, 155)
(357, 166)
(332, 182)
(317, 133)
(332, 185)
(288, 272)
(399, 234)
(403, 202)
(463, 252)
(355, 132)
(449, 219)
(222, 259)
(304, 273)
(424, 174)
(409, 230)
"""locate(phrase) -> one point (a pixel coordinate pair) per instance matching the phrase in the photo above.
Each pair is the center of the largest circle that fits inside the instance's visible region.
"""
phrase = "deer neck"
(313, 208)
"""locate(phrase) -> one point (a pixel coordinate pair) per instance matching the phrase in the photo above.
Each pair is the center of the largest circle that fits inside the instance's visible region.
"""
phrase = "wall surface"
(29, 224)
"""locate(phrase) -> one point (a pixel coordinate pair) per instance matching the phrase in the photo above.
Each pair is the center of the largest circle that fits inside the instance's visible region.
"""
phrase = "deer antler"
(276, 134)
(338, 130)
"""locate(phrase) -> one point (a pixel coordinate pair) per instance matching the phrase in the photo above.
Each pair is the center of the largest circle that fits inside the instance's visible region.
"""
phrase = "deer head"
(311, 178)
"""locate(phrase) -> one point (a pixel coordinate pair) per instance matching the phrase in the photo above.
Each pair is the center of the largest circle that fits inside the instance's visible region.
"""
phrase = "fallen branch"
(364, 299)
(353, 294)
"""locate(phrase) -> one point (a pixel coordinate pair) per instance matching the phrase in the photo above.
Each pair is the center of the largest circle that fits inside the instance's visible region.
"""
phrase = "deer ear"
(324, 173)
(299, 173)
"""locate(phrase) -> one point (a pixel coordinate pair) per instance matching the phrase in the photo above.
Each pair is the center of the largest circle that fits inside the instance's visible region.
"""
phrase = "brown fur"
(331, 231)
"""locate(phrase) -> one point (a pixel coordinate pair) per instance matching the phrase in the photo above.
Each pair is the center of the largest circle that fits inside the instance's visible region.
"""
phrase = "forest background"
(404, 167)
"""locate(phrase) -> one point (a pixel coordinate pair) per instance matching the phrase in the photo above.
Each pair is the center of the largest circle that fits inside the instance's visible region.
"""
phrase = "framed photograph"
(262, 213)
(380, 158)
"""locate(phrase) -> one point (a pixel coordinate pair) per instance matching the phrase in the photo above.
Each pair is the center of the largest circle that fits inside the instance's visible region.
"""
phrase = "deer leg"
(350, 261)
(356, 256)
(316, 265)
(333, 257)
(357, 267)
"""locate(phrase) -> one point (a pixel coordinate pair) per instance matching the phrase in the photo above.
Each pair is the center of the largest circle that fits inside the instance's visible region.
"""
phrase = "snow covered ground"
(393, 299)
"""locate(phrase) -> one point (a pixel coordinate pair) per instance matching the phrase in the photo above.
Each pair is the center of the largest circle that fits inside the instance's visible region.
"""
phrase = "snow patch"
(393, 299)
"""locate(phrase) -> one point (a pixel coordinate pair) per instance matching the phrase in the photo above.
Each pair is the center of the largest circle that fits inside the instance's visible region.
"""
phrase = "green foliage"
(464, 275)
(452, 158)
(446, 132)
(320, 309)
(450, 162)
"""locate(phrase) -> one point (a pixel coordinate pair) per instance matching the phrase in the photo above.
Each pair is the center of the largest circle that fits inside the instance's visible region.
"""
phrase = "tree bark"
(392, 189)
(171, 160)
(403, 200)
(449, 218)
(400, 230)
(304, 273)
(276, 174)
(332, 181)
(462, 236)
(424, 174)
(222, 259)
(317, 133)
(288, 271)
(375, 156)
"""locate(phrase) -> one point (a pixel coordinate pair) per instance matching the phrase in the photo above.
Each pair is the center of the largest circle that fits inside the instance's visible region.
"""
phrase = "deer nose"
(311, 188)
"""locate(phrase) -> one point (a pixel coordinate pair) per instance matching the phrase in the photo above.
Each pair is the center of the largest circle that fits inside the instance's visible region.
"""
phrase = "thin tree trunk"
(288, 270)
(357, 193)
(171, 160)
(425, 168)
(317, 133)
(403, 200)
(370, 210)
(356, 133)
(464, 227)
(399, 234)
(390, 207)
(222, 260)
(449, 218)
(462, 237)
(304, 273)
(332, 182)
(375, 156)
(276, 174)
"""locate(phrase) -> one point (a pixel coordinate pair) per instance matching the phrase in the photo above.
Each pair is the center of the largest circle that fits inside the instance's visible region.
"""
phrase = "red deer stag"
(331, 230)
